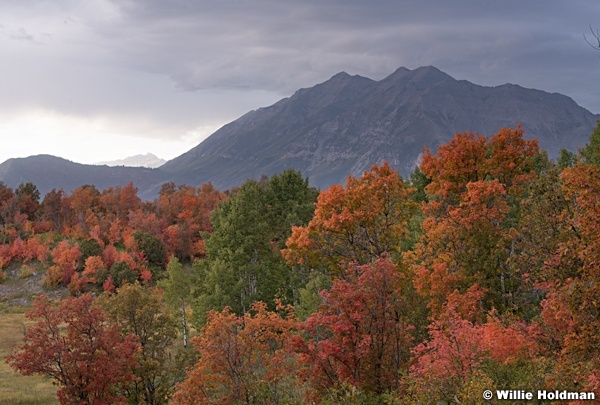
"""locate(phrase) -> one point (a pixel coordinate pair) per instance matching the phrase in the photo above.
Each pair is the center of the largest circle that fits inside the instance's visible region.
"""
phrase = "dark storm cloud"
(175, 65)
(280, 46)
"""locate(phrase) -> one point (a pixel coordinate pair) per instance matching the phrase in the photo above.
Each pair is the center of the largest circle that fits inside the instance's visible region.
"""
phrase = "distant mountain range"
(50, 172)
(337, 128)
(148, 160)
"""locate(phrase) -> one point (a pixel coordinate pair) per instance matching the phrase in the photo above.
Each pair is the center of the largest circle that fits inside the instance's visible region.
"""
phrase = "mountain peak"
(340, 75)
(337, 128)
(343, 78)
(429, 74)
(424, 75)
(398, 73)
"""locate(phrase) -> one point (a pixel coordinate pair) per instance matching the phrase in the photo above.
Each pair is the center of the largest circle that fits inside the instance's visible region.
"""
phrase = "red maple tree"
(71, 344)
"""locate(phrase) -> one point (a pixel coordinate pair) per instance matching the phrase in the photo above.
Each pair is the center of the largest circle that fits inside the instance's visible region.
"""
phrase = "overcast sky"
(95, 80)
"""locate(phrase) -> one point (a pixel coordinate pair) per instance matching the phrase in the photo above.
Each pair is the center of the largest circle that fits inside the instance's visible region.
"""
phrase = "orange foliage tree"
(65, 257)
(185, 213)
(83, 204)
(571, 309)
(476, 186)
(52, 209)
(243, 359)
(357, 223)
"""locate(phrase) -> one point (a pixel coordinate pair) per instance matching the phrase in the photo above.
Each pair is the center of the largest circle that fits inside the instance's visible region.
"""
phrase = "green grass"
(16, 389)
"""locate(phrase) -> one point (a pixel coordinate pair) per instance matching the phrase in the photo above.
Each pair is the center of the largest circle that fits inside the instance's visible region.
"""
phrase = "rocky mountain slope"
(337, 128)
(348, 123)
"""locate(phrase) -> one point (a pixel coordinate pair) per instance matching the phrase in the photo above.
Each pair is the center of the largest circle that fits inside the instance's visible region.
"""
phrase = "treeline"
(480, 271)
(88, 238)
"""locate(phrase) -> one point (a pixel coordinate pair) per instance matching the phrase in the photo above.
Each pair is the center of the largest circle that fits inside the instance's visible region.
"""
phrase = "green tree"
(566, 158)
(177, 292)
(591, 152)
(89, 247)
(141, 312)
(419, 181)
(119, 273)
(154, 252)
(244, 263)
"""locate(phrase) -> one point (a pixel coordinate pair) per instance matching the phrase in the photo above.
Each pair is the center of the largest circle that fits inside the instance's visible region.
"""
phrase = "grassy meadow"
(16, 389)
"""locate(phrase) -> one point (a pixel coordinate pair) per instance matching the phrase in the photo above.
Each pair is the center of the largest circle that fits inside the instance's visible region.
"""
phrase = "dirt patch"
(25, 282)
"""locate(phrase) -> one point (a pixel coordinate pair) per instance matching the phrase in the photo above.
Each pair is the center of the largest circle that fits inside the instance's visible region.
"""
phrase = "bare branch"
(595, 43)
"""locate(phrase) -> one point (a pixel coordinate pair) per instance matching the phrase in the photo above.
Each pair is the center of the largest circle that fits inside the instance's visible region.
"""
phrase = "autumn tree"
(65, 257)
(474, 195)
(141, 312)
(8, 209)
(146, 220)
(571, 280)
(357, 223)
(52, 209)
(28, 197)
(83, 203)
(185, 213)
(6, 194)
(360, 334)
(461, 359)
(243, 360)
(119, 201)
(72, 344)
(93, 266)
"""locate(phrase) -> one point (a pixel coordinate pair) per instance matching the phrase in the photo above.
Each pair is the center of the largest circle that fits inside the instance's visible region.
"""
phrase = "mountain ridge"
(390, 119)
(344, 125)
(49, 172)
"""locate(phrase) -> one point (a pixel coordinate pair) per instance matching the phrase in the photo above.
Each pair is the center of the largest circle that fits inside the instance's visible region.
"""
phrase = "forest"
(479, 271)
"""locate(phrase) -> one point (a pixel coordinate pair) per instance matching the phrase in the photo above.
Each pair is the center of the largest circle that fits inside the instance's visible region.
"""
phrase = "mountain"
(348, 123)
(148, 160)
(49, 172)
(337, 128)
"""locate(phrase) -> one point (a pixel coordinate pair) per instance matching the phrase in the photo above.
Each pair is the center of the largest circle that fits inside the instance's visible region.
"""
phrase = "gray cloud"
(163, 68)
(280, 46)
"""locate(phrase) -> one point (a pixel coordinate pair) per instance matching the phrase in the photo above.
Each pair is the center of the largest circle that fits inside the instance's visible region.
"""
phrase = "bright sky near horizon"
(98, 80)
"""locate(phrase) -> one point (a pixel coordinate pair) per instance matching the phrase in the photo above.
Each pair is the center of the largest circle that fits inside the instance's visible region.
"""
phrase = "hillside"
(49, 172)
